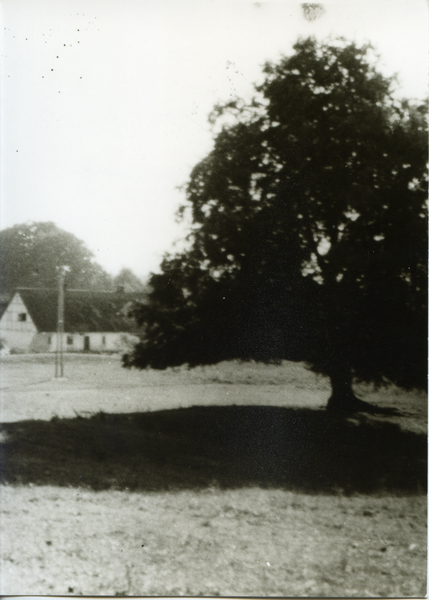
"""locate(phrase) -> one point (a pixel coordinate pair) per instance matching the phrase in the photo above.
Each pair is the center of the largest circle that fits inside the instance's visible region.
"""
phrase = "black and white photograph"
(213, 298)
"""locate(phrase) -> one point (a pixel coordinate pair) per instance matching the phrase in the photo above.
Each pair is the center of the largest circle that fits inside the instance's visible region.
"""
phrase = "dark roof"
(4, 301)
(84, 311)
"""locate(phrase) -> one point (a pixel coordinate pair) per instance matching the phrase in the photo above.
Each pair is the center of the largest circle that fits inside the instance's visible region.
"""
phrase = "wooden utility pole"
(59, 363)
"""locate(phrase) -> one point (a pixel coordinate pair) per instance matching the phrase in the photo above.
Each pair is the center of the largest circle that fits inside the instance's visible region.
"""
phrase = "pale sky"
(105, 102)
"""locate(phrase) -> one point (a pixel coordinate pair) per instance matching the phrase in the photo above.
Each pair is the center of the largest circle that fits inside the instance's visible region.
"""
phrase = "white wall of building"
(91, 342)
(17, 328)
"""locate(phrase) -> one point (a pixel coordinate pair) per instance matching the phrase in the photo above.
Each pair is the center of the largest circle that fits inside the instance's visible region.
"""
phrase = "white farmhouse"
(93, 321)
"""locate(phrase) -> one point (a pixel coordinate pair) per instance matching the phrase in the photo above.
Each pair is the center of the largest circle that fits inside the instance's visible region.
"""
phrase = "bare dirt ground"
(224, 480)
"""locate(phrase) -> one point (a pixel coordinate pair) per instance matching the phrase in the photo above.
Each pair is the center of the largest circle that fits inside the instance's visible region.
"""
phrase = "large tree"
(32, 253)
(309, 230)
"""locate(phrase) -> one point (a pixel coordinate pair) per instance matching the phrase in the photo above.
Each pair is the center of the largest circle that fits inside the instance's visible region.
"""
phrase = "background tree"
(129, 281)
(309, 230)
(31, 253)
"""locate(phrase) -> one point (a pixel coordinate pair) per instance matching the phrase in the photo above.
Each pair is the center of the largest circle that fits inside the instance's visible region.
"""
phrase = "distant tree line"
(32, 253)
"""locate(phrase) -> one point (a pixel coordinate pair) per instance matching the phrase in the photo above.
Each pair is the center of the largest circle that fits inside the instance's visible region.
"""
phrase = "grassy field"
(223, 480)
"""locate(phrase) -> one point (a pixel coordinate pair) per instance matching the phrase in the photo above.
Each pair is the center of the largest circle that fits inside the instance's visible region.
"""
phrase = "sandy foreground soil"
(186, 529)
(249, 542)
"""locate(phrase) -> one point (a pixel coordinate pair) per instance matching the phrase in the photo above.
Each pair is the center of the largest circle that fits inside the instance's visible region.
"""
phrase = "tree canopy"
(31, 254)
(127, 280)
(309, 230)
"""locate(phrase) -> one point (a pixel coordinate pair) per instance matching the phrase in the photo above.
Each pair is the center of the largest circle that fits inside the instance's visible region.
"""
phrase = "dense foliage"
(309, 230)
(32, 253)
(127, 280)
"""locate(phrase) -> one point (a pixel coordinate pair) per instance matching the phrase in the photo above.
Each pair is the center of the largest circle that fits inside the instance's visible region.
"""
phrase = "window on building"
(49, 339)
(22, 317)
(103, 340)
(69, 340)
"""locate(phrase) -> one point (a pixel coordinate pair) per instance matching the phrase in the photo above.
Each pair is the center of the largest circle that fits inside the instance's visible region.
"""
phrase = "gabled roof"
(84, 311)
(4, 301)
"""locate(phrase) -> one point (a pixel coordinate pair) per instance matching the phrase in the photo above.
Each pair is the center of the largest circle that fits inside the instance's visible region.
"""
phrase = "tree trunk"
(343, 399)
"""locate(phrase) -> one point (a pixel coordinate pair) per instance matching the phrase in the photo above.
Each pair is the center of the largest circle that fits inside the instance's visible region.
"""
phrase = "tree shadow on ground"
(226, 446)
